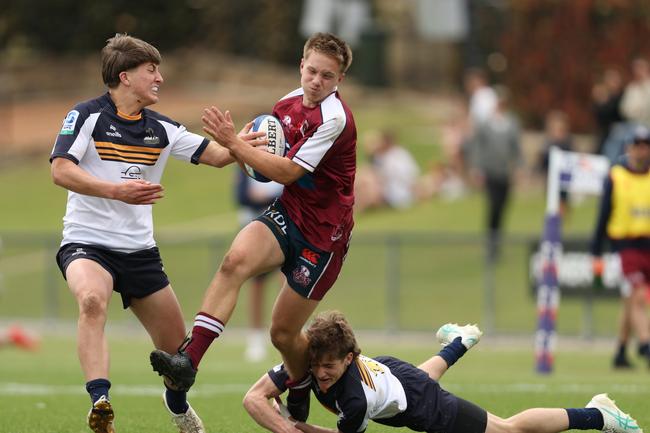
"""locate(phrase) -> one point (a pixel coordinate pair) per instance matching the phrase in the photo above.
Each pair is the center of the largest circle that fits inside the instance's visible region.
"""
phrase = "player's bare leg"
(254, 250)
(290, 313)
(92, 287)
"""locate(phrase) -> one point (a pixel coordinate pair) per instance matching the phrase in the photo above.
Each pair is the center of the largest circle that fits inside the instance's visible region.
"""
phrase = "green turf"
(43, 392)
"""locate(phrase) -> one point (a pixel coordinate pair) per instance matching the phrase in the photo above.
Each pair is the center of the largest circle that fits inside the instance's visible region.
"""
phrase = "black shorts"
(135, 275)
(429, 407)
(310, 271)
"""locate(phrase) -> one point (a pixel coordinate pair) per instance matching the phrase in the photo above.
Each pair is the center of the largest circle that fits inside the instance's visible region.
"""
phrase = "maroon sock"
(206, 329)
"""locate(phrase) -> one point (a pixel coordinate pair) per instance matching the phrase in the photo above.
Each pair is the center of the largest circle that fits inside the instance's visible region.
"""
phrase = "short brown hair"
(330, 45)
(123, 52)
(330, 335)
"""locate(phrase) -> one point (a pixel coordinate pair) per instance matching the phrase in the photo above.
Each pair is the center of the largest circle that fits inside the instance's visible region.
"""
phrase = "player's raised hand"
(138, 192)
(219, 125)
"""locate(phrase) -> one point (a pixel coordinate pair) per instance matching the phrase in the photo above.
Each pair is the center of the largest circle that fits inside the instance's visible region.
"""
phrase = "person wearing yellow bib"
(624, 220)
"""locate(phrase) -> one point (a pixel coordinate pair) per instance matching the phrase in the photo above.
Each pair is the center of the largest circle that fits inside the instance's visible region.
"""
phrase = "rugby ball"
(277, 143)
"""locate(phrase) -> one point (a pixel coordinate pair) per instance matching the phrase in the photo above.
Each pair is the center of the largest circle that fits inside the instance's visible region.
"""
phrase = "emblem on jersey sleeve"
(69, 123)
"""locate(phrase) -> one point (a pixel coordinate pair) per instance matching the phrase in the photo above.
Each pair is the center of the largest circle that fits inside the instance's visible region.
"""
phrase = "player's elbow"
(57, 174)
(251, 401)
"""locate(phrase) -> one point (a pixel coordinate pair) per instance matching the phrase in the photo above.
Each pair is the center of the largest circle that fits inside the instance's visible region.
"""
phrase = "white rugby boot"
(469, 334)
(615, 420)
(188, 422)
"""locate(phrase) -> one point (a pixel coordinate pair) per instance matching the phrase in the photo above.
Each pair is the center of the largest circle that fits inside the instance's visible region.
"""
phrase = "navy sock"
(644, 349)
(176, 400)
(98, 387)
(453, 351)
(585, 419)
(622, 348)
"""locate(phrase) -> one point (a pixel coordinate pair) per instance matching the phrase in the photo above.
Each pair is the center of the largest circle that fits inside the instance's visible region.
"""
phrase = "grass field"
(437, 281)
(43, 392)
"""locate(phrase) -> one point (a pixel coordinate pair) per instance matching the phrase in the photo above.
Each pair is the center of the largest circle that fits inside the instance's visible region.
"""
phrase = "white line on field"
(34, 389)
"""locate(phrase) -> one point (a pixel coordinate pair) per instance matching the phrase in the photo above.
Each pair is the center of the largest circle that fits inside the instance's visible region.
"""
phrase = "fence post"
(393, 258)
(52, 307)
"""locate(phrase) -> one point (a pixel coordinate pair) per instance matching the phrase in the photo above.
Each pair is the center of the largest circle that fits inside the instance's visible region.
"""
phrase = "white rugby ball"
(277, 143)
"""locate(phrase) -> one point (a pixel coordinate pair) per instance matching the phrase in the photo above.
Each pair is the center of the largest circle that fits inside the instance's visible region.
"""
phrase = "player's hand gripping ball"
(277, 143)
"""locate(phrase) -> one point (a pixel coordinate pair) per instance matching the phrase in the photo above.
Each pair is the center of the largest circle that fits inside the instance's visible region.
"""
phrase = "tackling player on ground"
(398, 394)
(110, 154)
(306, 232)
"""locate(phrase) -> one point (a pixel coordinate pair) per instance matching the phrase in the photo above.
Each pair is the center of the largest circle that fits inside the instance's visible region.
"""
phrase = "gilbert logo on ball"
(277, 143)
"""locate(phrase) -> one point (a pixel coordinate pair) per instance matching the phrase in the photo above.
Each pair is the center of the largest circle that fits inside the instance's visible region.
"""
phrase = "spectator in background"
(607, 95)
(557, 132)
(253, 198)
(391, 176)
(495, 157)
(635, 108)
(624, 219)
(482, 98)
(635, 104)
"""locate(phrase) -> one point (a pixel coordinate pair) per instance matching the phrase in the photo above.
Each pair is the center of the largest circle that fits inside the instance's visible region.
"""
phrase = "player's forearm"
(68, 175)
(216, 155)
(259, 409)
(276, 168)
(310, 428)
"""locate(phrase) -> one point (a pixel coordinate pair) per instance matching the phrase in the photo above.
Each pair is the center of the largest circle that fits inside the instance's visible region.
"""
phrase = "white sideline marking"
(10, 388)
(135, 390)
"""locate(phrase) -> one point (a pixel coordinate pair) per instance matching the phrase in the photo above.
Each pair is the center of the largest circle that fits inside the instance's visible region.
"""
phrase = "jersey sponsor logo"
(337, 233)
(277, 218)
(151, 137)
(113, 132)
(133, 172)
(78, 252)
(301, 275)
(310, 256)
(69, 123)
(286, 120)
(303, 127)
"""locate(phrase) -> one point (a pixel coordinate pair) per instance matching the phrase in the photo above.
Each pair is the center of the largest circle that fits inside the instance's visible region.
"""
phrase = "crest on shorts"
(301, 275)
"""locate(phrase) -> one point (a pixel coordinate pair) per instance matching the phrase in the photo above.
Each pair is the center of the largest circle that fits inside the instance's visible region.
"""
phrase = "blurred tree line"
(556, 50)
(266, 29)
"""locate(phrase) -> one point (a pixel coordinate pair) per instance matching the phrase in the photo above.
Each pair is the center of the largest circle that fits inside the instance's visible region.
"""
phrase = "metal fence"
(390, 281)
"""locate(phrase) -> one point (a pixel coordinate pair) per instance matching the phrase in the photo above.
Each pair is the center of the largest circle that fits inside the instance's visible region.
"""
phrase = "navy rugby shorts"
(310, 271)
(135, 275)
(429, 407)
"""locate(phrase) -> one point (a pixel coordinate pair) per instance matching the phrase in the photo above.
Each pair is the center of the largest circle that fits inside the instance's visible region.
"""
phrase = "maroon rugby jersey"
(322, 140)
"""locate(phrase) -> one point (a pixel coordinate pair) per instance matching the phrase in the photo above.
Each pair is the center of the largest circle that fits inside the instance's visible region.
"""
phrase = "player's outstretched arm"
(218, 156)
(221, 127)
(69, 175)
(257, 404)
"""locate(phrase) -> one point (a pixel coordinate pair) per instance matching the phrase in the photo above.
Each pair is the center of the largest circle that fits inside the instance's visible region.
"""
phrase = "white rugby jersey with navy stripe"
(116, 147)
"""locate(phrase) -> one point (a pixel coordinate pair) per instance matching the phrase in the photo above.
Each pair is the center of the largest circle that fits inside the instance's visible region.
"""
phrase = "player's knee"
(91, 305)
(233, 263)
(281, 337)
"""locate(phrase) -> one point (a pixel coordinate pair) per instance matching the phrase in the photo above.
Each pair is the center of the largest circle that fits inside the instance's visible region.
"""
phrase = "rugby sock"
(176, 400)
(453, 351)
(585, 419)
(97, 387)
(206, 329)
(622, 348)
(644, 349)
(298, 397)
